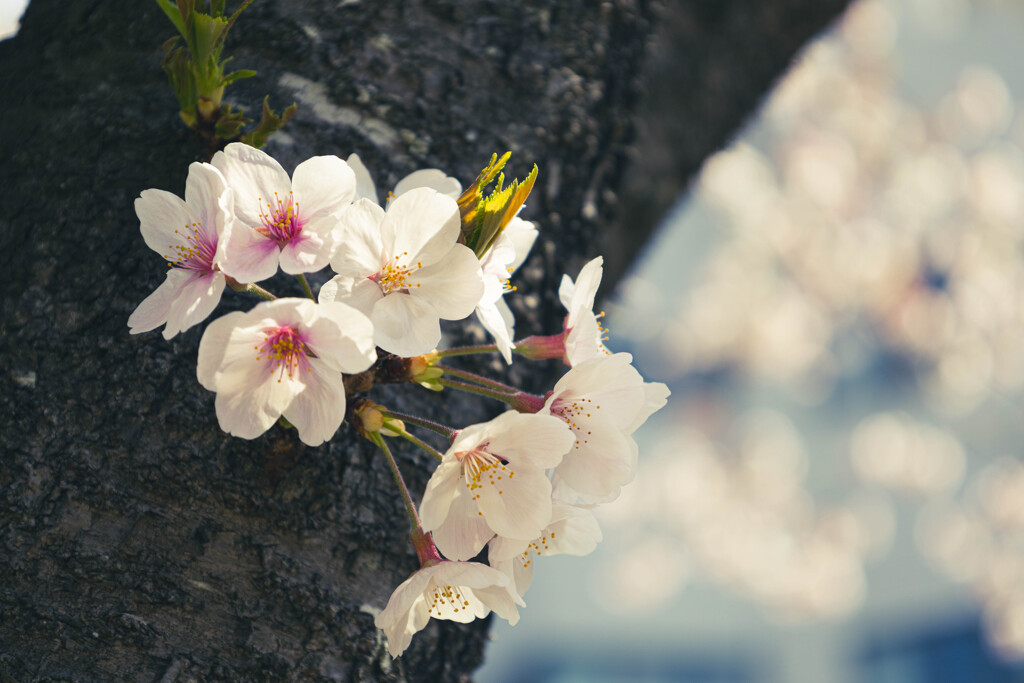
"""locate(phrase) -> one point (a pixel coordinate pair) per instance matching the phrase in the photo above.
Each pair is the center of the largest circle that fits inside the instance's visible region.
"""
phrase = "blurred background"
(834, 491)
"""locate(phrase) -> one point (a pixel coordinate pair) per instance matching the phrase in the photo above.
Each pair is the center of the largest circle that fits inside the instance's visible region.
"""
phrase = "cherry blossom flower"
(284, 357)
(456, 591)
(572, 531)
(501, 260)
(404, 269)
(584, 334)
(189, 235)
(291, 221)
(427, 177)
(493, 481)
(603, 400)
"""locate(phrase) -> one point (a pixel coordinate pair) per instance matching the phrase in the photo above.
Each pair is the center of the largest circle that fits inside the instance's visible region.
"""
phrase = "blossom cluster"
(521, 485)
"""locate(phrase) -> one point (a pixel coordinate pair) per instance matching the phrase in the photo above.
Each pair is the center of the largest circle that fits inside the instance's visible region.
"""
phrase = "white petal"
(464, 532)
(497, 319)
(360, 249)
(611, 387)
(323, 185)
(196, 299)
(307, 252)
(423, 223)
(405, 325)
(254, 176)
(361, 294)
(585, 290)
(655, 397)
(204, 191)
(522, 234)
(437, 498)
(365, 189)
(214, 347)
(432, 178)
(153, 310)
(319, 410)
(537, 440)
(163, 221)
(453, 285)
(565, 291)
(573, 531)
(602, 461)
(517, 506)
(253, 409)
(342, 337)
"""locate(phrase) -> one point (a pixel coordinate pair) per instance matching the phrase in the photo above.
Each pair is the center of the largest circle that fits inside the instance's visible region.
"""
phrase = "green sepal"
(236, 75)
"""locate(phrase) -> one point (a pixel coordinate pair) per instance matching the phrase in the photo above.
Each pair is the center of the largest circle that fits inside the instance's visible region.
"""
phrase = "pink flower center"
(284, 350)
(196, 252)
(280, 218)
(394, 277)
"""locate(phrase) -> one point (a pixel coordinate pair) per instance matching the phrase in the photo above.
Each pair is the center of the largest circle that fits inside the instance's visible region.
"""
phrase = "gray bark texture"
(138, 542)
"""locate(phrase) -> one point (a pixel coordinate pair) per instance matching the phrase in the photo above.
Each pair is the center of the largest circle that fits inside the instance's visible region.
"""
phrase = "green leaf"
(171, 10)
(235, 75)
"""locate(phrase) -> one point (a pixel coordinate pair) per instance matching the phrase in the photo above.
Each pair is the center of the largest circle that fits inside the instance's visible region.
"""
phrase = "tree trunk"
(139, 542)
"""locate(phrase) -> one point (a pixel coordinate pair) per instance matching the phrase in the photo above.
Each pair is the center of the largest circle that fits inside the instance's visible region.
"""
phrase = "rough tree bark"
(137, 541)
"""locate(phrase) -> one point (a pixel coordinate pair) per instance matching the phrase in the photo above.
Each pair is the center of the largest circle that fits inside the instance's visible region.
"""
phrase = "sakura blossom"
(603, 400)
(284, 357)
(456, 591)
(572, 531)
(404, 269)
(498, 264)
(492, 481)
(189, 234)
(584, 334)
(291, 221)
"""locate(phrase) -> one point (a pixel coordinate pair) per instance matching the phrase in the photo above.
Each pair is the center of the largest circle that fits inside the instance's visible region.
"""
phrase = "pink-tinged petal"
(464, 532)
(538, 441)
(306, 253)
(322, 186)
(247, 255)
(437, 498)
(518, 506)
(423, 223)
(254, 176)
(405, 325)
(361, 294)
(153, 310)
(430, 177)
(522, 234)
(195, 301)
(365, 188)
(497, 319)
(501, 549)
(164, 221)
(205, 191)
(318, 411)
(341, 337)
(359, 251)
(585, 290)
(453, 285)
